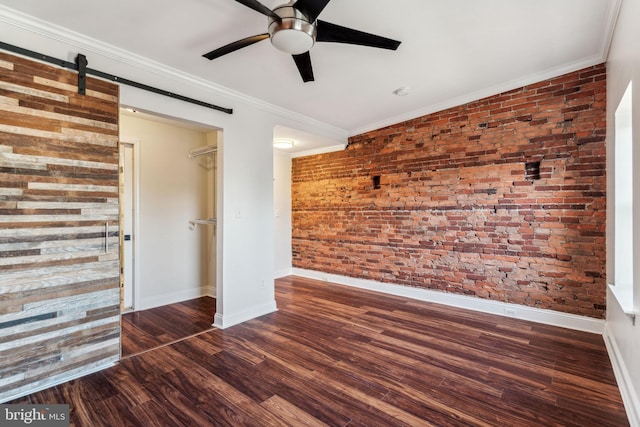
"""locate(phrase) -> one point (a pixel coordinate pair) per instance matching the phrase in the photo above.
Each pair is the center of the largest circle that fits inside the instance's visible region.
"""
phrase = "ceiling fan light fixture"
(293, 34)
(293, 42)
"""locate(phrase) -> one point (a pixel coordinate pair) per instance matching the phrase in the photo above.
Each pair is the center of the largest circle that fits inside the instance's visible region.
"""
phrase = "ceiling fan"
(294, 29)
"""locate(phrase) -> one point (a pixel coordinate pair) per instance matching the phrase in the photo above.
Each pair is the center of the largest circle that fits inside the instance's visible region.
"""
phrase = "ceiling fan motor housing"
(293, 34)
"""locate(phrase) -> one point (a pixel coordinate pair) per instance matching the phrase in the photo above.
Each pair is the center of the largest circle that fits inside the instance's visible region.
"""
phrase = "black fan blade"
(328, 32)
(311, 8)
(303, 62)
(259, 7)
(232, 47)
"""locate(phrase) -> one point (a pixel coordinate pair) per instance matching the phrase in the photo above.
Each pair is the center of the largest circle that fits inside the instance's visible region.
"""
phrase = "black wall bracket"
(81, 67)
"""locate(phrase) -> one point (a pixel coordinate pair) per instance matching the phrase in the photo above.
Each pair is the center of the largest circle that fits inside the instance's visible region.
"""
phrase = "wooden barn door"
(59, 226)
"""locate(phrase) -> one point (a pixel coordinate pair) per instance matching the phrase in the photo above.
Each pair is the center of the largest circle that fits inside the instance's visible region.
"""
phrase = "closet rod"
(202, 151)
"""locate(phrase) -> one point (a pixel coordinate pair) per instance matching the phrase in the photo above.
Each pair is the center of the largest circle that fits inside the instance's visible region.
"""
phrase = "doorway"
(168, 236)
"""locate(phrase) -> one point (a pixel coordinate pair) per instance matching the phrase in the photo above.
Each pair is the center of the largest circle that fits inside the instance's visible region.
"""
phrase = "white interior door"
(128, 200)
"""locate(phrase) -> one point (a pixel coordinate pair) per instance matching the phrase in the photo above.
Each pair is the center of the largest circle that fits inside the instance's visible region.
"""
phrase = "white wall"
(622, 335)
(245, 232)
(282, 213)
(173, 189)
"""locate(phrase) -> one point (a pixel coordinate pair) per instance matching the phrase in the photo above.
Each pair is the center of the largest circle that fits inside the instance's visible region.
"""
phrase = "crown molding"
(609, 24)
(609, 28)
(481, 94)
(323, 150)
(86, 44)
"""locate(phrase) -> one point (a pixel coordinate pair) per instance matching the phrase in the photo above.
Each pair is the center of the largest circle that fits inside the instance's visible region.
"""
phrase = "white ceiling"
(452, 51)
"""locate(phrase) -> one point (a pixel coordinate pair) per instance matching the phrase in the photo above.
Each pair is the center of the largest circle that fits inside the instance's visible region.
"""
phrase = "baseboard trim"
(625, 385)
(174, 297)
(538, 315)
(283, 273)
(223, 321)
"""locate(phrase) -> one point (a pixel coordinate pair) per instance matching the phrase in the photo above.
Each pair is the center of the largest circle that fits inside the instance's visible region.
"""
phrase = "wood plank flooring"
(338, 356)
(149, 329)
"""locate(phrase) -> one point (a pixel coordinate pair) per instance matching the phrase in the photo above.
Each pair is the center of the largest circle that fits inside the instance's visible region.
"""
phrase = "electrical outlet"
(510, 312)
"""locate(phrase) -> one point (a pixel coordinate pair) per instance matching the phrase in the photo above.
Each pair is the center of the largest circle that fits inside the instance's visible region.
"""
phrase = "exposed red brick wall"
(459, 210)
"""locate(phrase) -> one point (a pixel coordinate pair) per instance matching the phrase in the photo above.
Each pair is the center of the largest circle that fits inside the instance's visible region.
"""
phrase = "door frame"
(135, 245)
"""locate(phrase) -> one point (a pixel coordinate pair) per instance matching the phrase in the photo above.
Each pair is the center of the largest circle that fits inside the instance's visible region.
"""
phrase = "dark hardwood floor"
(338, 356)
(149, 329)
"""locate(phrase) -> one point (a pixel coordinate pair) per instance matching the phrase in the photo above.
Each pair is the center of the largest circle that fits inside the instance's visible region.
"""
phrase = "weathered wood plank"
(11, 87)
(69, 87)
(6, 65)
(56, 148)
(63, 134)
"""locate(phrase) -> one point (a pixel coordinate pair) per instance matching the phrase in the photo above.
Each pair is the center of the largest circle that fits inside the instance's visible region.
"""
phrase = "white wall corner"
(224, 321)
(623, 378)
(517, 311)
(209, 291)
